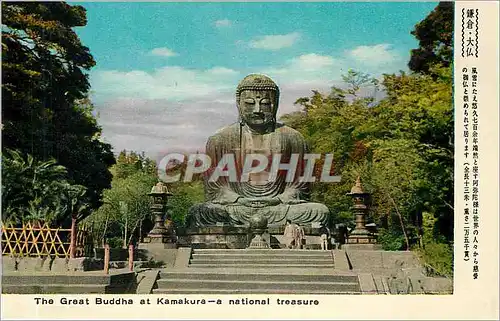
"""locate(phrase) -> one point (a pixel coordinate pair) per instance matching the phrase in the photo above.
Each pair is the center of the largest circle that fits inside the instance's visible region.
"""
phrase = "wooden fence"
(37, 240)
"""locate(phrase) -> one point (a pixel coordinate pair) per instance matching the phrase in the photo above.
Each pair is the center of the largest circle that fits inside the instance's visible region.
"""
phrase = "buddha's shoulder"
(226, 131)
(233, 130)
(288, 131)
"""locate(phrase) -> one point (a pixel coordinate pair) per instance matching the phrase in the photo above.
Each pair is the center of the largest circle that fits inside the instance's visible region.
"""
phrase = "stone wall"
(50, 264)
(117, 254)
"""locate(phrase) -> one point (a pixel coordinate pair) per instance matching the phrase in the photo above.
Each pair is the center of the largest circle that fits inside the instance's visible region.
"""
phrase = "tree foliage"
(126, 204)
(435, 36)
(125, 217)
(401, 147)
(38, 191)
(45, 109)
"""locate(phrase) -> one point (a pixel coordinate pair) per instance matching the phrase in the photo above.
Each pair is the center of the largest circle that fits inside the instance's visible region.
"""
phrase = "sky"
(166, 72)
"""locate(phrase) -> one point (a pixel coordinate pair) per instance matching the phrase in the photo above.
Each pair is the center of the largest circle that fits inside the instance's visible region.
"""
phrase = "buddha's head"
(257, 99)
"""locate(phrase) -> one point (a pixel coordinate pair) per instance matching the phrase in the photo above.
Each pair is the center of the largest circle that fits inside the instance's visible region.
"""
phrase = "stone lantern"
(360, 234)
(163, 231)
(258, 226)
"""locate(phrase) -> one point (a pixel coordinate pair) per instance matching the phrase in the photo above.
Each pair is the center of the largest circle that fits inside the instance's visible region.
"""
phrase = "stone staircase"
(248, 258)
(228, 271)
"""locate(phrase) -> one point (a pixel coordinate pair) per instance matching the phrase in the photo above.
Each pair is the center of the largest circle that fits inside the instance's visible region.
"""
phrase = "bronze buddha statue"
(257, 132)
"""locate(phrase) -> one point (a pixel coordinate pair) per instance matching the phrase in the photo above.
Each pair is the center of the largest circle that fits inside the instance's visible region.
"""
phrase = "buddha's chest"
(265, 145)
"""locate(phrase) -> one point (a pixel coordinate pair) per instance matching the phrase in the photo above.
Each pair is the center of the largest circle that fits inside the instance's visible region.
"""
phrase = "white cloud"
(311, 69)
(223, 23)
(222, 71)
(160, 126)
(172, 83)
(275, 42)
(373, 55)
(313, 61)
(163, 52)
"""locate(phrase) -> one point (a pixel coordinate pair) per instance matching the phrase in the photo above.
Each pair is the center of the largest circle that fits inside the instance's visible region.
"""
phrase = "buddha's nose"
(256, 108)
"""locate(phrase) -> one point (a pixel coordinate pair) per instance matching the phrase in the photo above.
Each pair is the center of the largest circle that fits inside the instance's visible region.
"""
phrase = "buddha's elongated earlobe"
(240, 121)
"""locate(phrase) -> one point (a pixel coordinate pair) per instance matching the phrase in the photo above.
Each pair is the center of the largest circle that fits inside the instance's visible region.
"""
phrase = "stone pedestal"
(361, 239)
(258, 242)
(160, 252)
(162, 232)
(360, 234)
(258, 226)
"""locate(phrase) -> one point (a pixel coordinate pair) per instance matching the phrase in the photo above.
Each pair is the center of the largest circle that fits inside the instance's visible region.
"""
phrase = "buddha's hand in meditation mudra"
(258, 201)
(290, 197)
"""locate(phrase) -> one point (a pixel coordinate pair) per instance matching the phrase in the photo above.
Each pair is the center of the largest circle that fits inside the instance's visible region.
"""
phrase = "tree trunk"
(401, 221)
(132, 231)
(140, 231)
(103, 240)
(125, 233)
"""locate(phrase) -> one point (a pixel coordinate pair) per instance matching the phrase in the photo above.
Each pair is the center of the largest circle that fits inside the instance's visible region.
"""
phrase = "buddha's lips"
(261, 117)
(300, 168)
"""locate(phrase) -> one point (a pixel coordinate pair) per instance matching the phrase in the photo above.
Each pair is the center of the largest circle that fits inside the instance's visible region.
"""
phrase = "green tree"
(435, 37)
(129, 163)
(435, 252)
(331, 124)
(38, 191)
(125, 215)
(184, 196)
(401, 147)
(419, 108)
(45, 109)
(126, 204)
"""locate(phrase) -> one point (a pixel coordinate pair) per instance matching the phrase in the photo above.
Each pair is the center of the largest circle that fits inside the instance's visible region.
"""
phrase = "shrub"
(391, 240)
(438, 258)
(115, 242)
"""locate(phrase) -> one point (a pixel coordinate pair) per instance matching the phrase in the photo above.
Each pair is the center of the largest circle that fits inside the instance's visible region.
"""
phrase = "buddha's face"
(258, 107)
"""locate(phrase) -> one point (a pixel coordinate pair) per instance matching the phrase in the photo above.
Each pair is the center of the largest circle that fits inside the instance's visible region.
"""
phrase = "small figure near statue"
(293, 235)
(325, 237)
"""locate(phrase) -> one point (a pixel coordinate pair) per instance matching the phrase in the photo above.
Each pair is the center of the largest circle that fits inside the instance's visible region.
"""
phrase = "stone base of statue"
(239, 237)
(258, 242)
(160, 239)
(162, 234)
(361, 236)
(214, 237)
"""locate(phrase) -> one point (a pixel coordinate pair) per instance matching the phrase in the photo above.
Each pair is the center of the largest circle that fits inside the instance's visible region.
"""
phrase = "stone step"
(88, 283)
(186, 284)
(277, 256)
(275, 266)
(246, 291)
(263, 260)
(262, 251)
(249, 276)
(55, 289)
(55, 279)
(67, 279)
